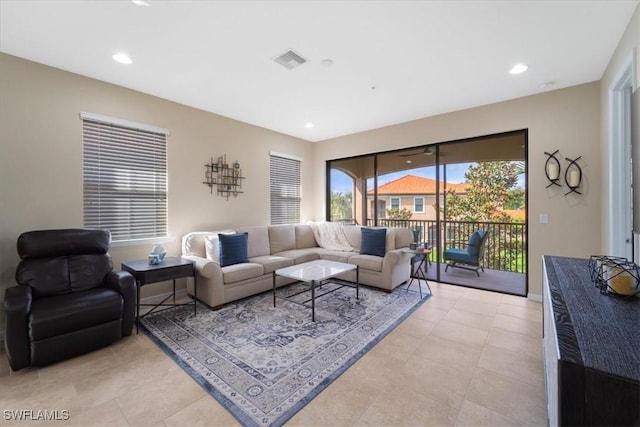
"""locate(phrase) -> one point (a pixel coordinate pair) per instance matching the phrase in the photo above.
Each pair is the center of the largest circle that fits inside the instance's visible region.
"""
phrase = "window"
(285, 189)
(124, 177)
(395, 202)
(418, 204)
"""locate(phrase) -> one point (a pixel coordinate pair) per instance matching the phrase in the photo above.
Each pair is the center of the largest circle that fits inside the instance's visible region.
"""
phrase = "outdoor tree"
(396, 213)
(341, 206)
(489, 186)
(515, 199)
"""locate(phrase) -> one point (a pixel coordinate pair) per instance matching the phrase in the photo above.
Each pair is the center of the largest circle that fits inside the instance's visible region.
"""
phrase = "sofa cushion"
(193, 244)
(63, 314)
(233, 248)
(304, 236)
(238, 272)
(212, 245)
(403, 238)
(282, 238)
(301, 255)
(374, 241)
(258, 240)
(339, 256)
(354, 235)
(367, 262)
(270, 263)
(460, 255)
(390, 242)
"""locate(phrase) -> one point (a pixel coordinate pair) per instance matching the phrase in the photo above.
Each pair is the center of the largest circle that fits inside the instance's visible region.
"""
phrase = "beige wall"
(566, 119)
(41, 158)
(629, 41)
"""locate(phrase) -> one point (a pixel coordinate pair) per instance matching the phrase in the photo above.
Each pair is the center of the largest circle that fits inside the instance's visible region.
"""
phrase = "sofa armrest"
(205, 267)
(395, 268)
(17, 306)
(392, 257)
(125, 284)
(210, 282)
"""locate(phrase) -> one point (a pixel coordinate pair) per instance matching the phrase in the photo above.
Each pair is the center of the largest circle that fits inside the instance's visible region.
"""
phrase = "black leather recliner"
(68, 300)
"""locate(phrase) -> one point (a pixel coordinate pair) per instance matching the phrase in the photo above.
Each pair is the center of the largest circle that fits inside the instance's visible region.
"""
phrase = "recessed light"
(308, 125)
(409, 161)
(140, 2)
(122, 58)
(518, 68)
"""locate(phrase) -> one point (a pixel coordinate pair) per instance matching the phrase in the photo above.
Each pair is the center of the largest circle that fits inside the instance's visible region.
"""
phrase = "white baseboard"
(535, 297)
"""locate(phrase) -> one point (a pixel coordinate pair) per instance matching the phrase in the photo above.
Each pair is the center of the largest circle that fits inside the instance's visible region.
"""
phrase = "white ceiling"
(422, 57)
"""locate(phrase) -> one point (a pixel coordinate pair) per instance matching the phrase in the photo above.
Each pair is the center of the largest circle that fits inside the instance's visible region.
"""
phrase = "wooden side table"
(171, 268)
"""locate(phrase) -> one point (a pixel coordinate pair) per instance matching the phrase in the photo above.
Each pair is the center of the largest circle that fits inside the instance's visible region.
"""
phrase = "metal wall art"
(573, 175)
(225, 178)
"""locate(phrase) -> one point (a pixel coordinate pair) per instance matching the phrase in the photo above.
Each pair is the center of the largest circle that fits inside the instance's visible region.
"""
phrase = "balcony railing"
(505, 249)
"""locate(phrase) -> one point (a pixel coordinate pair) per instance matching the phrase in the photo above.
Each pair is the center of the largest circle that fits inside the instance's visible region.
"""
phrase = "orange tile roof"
(411, 184)
(517, 214)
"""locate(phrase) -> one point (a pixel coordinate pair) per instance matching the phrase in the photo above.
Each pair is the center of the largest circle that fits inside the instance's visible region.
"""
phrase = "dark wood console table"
(591, 349)
(171, 268)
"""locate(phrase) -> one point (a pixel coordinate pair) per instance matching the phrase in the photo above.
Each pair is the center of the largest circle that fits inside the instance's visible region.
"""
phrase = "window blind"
(124, 179)
(285, 190)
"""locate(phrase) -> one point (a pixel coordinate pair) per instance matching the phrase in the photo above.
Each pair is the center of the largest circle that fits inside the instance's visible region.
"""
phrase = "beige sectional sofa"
(274, 247)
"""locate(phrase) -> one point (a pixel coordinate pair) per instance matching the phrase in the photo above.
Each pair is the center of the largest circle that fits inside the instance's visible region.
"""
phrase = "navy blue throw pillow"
(374, 241)
(233, 248)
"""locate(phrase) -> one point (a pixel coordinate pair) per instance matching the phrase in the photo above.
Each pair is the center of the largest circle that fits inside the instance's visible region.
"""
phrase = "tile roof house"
(415, 193)
(418, 195)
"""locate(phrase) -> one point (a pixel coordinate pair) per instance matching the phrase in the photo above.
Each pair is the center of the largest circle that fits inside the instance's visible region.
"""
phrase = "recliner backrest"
(475, 242)
(58, 262)
(483, 244)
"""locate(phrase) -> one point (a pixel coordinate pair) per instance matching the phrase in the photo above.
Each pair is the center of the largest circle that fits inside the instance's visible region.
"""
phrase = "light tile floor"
(465, 358)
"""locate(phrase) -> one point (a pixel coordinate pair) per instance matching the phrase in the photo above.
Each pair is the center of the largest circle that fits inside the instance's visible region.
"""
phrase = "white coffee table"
(315, 272)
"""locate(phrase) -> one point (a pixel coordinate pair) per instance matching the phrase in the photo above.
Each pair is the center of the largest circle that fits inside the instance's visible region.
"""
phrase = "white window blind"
(124, 178)
(285, 190)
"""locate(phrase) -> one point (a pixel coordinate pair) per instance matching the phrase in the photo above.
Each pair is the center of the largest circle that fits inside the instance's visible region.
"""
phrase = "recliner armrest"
(124, 283)
(17, 306)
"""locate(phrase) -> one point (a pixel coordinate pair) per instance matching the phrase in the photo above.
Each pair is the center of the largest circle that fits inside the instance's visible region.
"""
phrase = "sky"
(340, 182)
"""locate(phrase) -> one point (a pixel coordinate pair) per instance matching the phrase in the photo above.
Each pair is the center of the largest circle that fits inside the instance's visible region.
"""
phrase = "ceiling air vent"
(290, 60)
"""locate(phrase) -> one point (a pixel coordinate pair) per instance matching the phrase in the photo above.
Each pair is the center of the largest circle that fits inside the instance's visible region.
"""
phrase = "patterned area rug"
(263, 364)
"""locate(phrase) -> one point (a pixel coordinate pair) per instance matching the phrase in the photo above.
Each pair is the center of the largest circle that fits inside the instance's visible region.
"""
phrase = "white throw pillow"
(212, 245)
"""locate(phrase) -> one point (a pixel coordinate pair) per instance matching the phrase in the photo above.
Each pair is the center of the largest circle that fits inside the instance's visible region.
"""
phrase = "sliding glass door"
(444, 192)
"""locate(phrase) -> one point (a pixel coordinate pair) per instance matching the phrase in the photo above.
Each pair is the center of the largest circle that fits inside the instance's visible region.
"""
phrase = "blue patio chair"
(471, 257)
